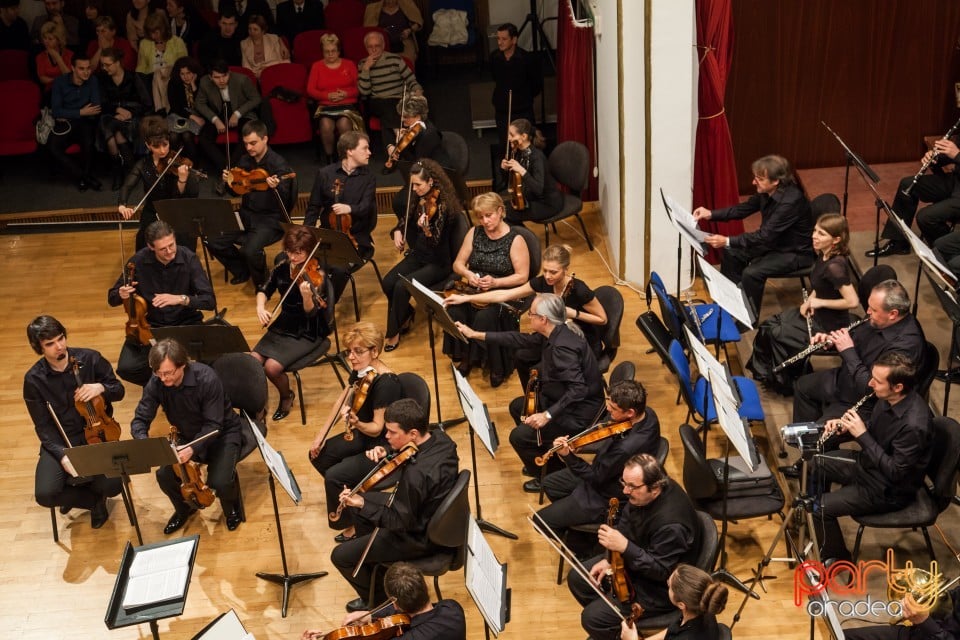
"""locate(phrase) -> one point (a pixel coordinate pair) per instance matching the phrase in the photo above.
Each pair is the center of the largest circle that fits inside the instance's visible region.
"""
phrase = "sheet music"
(275, 463)
(160, 574)
(725, 293)
(684, 222)
(475, 411)
(485, 578)
(427, 292)
(924, 252)
(730, 421)
(709, 366)
(226, 627)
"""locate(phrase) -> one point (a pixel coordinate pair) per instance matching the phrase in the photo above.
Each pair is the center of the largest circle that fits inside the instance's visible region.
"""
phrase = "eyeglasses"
(629, 487)
(164, 375)
(358, 351)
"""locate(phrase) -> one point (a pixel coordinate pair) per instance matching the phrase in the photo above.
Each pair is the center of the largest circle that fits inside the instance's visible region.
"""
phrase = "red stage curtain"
(575, 96)
(714, 171)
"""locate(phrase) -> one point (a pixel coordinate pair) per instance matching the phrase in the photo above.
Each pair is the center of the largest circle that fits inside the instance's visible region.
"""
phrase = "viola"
(380, 472)
(194, 490)
(386, 627)
(406, 138)
(137, 328)
(311, 273)
(99, 426)
(515, 186)
(619, 581)
(357, 396)
(343, 222)
(181, 162)
(429, 207)
(590, 435)
(462, 286)
(242, 181)
(530, 397)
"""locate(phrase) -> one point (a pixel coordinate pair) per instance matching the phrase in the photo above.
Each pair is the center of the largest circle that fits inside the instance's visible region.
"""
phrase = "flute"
(820, 346)
(828, 433)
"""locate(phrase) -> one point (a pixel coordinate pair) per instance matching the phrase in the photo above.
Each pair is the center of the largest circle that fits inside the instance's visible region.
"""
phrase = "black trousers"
(939, 189)
(751, 273)
(342, 463)
(133, 365)
(818, 396)
(82, 132)
(877, 632)
(221, 477)
(398, 298)
(597, 618)
(215, 153)
(51, 488)
(523, 439)
(241, 252)
(388, 547)
(535, 211)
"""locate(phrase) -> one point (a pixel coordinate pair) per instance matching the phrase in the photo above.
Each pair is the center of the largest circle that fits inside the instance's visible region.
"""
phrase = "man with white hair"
(381, 78)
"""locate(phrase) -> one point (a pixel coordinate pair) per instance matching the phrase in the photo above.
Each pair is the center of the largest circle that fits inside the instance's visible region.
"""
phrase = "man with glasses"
(193, 400)
(581, 493)
(657, 530)
(174, 286)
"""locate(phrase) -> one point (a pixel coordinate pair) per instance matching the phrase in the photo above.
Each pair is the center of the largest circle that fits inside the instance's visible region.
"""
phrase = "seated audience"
(222, 43)
(124, 100)
(55, 59)
(75, 97)
(159, 50)
(401, 19)
(107, 38)
(333, 85)
(296, 16)
(260, 49)
(14, 33)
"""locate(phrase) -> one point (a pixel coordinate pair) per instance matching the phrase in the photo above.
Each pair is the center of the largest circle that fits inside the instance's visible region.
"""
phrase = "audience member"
(246, 9)
(54, 13)
(158, 51)
(225, 100)
(76, 98)
(517, 70)
(401, 19)
(107, 38)
(124, 100)
(184, 119)
(88, 23)
(333, 84)
(14, 33)
(55, 59)
(136, 18)
(260, 49)
(296, 16)
(186, 23)
(222, 43)
(382, 77)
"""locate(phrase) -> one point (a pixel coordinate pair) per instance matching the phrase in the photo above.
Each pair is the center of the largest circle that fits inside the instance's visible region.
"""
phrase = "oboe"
(820, 346)
(929, 161)
(827, 433)
(808, 317)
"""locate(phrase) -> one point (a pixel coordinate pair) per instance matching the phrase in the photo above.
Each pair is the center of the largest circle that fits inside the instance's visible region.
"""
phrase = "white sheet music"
(730, 421)
(158, 575)
(709, 366)
(274, 462)
(685, 223)
(474, 410)
(725, 293)
(427, 292)
(485, 578)
(228, 627)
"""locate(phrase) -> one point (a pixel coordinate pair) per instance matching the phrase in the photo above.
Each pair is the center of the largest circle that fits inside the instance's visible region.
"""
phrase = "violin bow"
(226, 137)
(506, 153)
(406, 217)
(287, 292)
(146, 195)
(373, 536)
(403, 103)
(56, 420)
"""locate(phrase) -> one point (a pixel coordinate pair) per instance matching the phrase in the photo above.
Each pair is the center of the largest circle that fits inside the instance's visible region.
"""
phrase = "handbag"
(47, 124)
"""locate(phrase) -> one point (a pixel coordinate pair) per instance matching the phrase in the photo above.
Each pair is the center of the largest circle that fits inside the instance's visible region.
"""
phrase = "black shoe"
(283, 409)
(341, 538)
(465, 368)
(842, 576)
(496, 380)
(240, 279)
(391, 347)
(408, 324)
(99, 514)
(64, 509)
(234, 518)
(532, 486)
(792, 471)
(357, 605)
(889, 249)
(94, 183)
(82, 185)
(528, 473)
(952, 375)
(177, 520)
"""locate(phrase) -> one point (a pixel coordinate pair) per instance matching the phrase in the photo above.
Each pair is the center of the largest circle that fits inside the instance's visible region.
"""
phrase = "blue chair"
(699, 399)
(716, 325)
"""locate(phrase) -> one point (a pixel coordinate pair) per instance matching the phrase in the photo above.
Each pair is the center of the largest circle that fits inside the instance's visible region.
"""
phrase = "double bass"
(98, 425)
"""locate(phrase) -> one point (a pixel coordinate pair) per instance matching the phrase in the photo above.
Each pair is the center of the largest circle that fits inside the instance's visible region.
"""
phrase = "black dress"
(785, 334)
(540, 190)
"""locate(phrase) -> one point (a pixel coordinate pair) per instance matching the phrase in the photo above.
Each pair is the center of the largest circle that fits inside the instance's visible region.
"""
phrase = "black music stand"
(539, 36)
(205, 342)
(199, 217)
(489, 588)
(123, 458)
(118, 617)
(433, 307)
(951, 307)
(853, 159)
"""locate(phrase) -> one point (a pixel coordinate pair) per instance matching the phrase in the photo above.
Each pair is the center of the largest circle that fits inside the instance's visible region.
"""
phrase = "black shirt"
(445, 621)
(436, 248)
(869, 344)
(703, 627)
(579, 296)
(181, 276)
(786, 222)
(131, 94)
(259, 208)
(427, 144)
(357, 189)
(947, 628)
(538, 184)
(826, 278)
(15, 36)
(42, 384)
(197, 407)
(145, 173)
(215, 47)
(292, 320)
(521, 73)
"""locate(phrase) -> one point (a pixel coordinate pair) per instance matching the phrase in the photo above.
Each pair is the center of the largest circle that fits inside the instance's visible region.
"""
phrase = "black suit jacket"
(291, 24)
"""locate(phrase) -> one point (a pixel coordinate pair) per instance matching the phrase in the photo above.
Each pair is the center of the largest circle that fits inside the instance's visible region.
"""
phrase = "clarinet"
(827, 434)
(929, 161)
(820, 346)
(809, 318)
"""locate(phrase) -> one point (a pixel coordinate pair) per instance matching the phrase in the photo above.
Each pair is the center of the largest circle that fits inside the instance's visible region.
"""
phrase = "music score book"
(159, 574)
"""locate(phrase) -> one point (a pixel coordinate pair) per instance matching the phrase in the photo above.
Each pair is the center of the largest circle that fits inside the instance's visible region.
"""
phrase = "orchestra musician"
(541, 194)
(582, 305)
(925, 624)
(299, 324)
(175, 287)
(426, 140)
(404, 582)
(340, 461)
(826, 309)
(581, 492)
(493, 256)
(177, 182)
(425, 230)
(51, 385)
(261, 211)
(346, 188)
(402, 517)
(571, 387)
(782, 243)
(657, 530)
(699, 598)
(193, 400)
(894, 452)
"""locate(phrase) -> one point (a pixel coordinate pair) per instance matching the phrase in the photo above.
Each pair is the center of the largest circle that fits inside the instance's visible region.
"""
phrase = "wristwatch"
(547, 413)
(184, 300)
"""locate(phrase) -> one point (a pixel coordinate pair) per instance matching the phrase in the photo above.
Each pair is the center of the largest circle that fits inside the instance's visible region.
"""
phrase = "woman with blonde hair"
(698, 597)
(55, 59)
(159, 51)
(333, 84)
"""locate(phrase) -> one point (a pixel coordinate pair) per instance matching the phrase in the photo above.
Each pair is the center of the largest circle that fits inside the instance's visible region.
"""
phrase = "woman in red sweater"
(333, 84)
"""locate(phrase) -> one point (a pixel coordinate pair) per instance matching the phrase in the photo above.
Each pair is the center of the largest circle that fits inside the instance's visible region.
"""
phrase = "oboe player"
(894, 453)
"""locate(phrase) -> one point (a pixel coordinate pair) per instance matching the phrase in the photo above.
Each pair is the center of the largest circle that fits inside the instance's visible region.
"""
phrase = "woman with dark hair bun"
(541, 194)
(698, 597)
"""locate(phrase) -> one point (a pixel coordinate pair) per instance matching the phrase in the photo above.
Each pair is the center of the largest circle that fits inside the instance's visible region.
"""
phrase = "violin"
(386, 627)
(589, 435)
(242, 181)
(409, 135)
(311, 273)
(429, 207)
(137, 328)
(619, 581)
(515, 185)
(99, 426)
(567, 288)
(342, 223)
(194, 490)
(380, 472)
(530, 397)
(182, 162)
(462, 286)
(357, 397)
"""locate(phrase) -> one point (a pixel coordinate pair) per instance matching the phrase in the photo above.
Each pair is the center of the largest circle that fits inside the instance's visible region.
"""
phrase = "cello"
(137, 328)
(98, 425)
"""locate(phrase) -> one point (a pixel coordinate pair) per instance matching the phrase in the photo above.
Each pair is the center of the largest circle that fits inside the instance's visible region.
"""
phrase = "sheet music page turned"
(158, 575)
(427, 292)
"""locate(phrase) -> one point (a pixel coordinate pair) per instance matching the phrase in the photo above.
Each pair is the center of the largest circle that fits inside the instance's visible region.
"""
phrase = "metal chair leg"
(53, 521)
(303, 411)
(586, 235)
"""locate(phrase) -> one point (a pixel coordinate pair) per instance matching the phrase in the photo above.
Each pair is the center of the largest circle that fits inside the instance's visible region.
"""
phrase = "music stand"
(432, 304)
(123, 458)
(486, 581)
(278, 468)
(205, 342)
(538, 34)
(951, 307)
(478, 420)
(687, 229)
(199, 217)
(853, 159)
(117, 616)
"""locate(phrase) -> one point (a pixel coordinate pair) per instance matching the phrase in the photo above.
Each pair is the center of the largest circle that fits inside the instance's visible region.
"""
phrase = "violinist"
(346, 188)
(426, 232)
(403, 516)
(541, 194)
(51, 383)
(300, 324)
(419, 137)
(699, 598)
(657, 530)
(261, 212)
(192, 398)
(341, 460)
(404, 582)
(581, 493)
(178, 181)
(175, 287)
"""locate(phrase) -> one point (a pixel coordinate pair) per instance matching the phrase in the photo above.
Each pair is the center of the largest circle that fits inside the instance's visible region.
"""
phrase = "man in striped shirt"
(381, 78)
